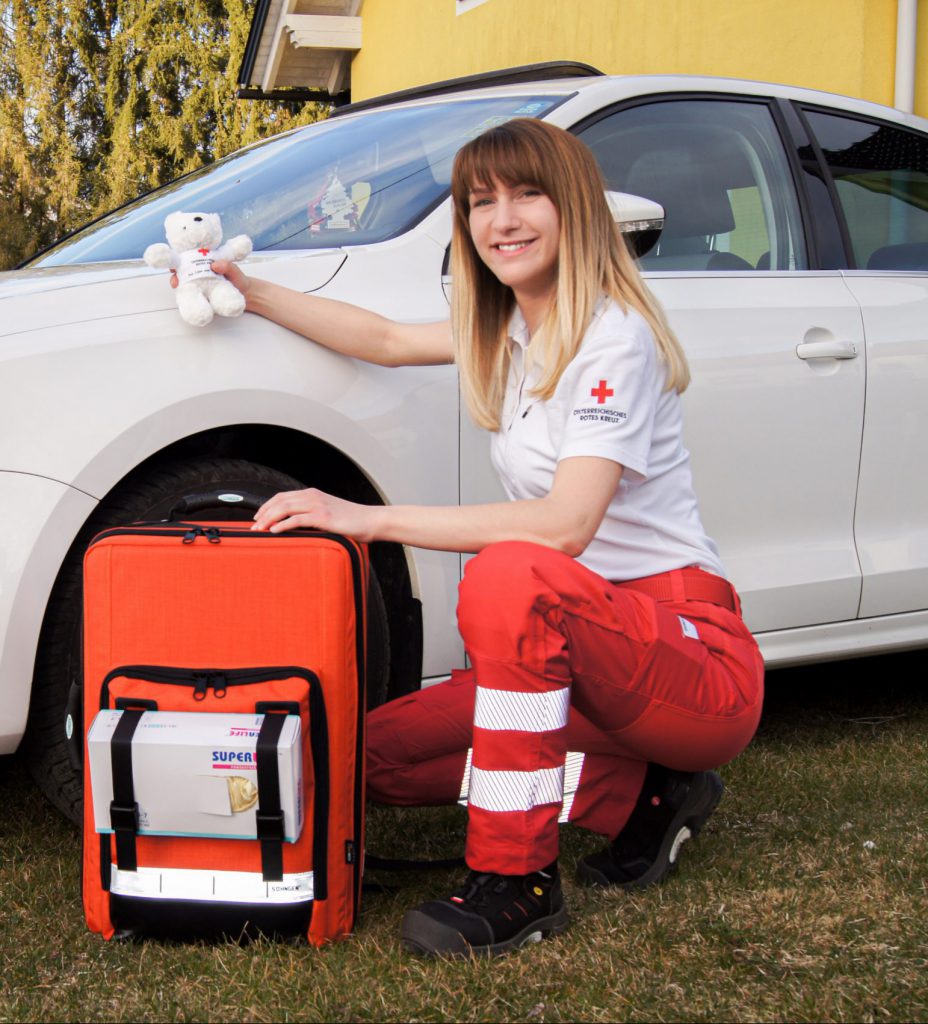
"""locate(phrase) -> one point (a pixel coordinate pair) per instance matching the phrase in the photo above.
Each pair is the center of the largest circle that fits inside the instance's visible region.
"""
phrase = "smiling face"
(516, 231)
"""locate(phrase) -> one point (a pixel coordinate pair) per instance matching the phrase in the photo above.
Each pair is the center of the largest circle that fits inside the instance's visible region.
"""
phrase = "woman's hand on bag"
(314, 508)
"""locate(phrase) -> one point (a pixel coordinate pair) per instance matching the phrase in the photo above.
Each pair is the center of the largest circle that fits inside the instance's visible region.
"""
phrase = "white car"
(793, 263)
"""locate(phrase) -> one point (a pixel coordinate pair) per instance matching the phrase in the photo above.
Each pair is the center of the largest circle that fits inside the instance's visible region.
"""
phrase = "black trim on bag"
(360, 588)
(196, 919)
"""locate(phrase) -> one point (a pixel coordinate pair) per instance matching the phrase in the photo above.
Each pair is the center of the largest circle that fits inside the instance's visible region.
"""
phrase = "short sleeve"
(608, 396)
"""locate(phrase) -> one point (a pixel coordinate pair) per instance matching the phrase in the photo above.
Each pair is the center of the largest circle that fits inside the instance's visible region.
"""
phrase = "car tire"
(146, 495)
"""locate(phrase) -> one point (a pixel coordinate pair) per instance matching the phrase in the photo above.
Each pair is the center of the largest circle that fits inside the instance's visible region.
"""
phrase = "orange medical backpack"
(211, 617)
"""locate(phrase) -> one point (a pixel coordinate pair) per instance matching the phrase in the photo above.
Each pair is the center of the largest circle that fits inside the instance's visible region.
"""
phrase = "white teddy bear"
(194, 242)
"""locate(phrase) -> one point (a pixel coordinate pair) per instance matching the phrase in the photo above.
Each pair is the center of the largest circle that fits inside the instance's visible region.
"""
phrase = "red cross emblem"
(602, 393)
(203, 252)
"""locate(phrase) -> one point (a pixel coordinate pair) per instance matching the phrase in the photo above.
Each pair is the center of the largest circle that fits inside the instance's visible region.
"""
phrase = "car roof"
(601, 90)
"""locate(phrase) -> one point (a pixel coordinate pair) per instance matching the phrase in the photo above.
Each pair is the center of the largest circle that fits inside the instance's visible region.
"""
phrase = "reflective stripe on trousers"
(569, 784)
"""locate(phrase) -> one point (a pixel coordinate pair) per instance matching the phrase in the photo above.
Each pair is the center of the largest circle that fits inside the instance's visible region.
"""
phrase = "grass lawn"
(805, 898)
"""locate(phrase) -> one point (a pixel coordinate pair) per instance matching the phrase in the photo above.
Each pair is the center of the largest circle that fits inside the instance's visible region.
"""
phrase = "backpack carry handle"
(225, 499)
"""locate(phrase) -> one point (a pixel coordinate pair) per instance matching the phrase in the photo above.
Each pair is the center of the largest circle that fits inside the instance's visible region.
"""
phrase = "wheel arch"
(303, 456)
(318, 463)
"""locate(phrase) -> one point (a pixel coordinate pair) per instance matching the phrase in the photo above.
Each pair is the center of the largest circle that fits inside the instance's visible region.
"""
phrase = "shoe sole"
(425, 936)
(695, 811)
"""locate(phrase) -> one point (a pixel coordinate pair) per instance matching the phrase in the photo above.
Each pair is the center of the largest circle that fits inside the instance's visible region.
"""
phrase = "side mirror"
(640, 220)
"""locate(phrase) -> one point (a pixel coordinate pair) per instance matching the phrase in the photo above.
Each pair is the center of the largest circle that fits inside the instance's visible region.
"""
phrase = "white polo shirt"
(610, 402)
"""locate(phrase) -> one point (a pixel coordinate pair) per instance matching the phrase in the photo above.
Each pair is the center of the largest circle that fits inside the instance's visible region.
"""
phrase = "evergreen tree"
(39, 188)
(103, 100)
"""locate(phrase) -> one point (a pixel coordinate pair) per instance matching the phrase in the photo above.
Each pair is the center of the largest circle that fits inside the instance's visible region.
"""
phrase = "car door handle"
(831, 349)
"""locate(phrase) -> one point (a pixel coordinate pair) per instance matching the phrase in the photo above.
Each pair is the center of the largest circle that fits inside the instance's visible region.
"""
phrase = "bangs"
(509, 153)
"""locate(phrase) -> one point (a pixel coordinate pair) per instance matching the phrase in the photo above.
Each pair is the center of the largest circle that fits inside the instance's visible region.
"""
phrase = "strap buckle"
(270, 826)
(124, 817)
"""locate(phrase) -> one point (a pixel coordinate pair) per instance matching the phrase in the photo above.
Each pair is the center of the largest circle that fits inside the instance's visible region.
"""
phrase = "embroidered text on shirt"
(592, 412)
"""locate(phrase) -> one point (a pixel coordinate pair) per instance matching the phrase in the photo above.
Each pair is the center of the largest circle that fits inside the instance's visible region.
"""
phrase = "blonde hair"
(593, 260)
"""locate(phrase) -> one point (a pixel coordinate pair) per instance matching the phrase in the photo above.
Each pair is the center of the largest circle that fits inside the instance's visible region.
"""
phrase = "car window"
(346, 181)
(880, 174)
(719, 170)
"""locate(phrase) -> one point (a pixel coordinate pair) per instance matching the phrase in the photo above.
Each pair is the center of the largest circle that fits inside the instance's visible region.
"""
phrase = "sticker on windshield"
(485, 126)
(335, 209)
(529, 109)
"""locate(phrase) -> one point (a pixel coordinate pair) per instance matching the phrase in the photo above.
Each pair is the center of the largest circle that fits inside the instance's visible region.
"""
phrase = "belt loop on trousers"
(677, 586)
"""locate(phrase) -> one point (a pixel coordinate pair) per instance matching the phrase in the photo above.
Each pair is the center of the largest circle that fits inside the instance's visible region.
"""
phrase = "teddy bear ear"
(214, 222)
(173, 221)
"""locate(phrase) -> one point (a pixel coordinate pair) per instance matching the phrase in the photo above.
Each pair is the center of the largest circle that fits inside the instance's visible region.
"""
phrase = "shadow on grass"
(803, 702)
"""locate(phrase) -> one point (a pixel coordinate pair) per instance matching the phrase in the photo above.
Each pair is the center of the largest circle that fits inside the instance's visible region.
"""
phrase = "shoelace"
(481, 887)
(477, 888)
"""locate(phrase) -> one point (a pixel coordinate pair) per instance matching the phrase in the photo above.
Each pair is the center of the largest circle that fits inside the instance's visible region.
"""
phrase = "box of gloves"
(196, 774)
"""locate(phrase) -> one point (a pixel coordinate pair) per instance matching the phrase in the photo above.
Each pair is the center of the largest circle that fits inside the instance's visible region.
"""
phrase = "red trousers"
(576, 685)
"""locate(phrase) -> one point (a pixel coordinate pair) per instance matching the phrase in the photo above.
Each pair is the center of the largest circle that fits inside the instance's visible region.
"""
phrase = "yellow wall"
(844, 46)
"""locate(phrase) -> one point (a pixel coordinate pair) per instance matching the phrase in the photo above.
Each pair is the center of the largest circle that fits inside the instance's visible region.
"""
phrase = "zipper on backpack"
(211, 533)
(202, 680)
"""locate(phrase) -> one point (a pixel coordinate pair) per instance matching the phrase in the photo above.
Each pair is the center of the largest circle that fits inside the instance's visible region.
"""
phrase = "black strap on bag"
(319, 750)
(124, 811)
(270, 815)
(375, 863)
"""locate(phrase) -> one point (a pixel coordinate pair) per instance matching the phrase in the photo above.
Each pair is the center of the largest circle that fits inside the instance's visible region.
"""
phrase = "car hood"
(43, 297)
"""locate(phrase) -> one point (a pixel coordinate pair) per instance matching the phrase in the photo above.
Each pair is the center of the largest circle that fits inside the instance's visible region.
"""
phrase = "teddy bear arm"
(238, 247)
(160, 255)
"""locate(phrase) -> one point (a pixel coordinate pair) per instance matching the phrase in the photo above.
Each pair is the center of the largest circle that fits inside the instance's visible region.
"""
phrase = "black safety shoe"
(488, 915)
(672, 807)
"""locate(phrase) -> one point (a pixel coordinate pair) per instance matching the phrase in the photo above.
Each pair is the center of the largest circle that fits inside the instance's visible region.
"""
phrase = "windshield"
(347, 181)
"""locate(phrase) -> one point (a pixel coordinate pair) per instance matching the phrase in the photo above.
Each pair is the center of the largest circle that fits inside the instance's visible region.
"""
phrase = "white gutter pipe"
(906, 21)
